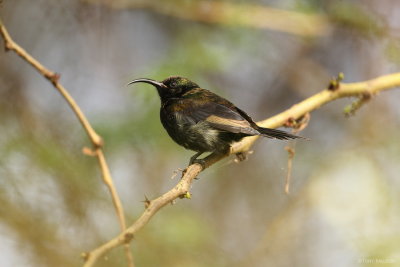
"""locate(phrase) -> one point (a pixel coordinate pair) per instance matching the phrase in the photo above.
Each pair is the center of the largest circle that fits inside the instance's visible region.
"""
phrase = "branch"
(95, 139)
(232, 14)
(152, 206)
(360, 90)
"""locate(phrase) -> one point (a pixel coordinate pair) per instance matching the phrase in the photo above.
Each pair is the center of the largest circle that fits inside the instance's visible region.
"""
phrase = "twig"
(351, 109)
(291, 152)
(370, 87)
(151, 208)
(298, 126)
(297, 111)
(96, 140)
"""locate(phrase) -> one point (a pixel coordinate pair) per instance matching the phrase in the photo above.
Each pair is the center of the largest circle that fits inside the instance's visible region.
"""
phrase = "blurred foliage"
(393, 51)
(344, 209)
(355, 17)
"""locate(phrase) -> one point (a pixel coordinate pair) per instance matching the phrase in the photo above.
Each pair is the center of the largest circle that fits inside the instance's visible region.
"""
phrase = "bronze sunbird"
(202, 121)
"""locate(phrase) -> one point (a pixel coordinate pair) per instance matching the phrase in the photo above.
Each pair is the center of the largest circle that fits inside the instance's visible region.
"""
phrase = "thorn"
(184, 172)
(175, 172)
(146, 202)
(88, 152)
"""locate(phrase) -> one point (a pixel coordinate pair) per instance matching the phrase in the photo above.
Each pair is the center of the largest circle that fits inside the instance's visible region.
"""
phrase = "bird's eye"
(173, 84)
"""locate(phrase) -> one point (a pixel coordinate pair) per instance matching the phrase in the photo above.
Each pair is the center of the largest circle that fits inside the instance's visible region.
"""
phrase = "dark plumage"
(200, 120)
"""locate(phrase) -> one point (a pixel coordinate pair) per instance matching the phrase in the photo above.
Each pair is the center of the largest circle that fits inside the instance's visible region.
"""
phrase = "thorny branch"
(96, 140)
(297, 111)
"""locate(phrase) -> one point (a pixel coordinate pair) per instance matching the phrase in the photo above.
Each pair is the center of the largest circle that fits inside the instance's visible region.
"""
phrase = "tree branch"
(359, 90)
(95, 139)
(152, 206)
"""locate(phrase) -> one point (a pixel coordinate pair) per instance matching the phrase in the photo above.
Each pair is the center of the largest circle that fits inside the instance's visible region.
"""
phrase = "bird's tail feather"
(278, 134)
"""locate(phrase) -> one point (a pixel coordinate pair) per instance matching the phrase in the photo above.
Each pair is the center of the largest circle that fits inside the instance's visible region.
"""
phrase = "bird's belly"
(201, 137)
(194, 136)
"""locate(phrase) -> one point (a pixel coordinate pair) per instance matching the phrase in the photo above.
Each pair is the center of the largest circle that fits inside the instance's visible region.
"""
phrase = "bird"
(203, 121)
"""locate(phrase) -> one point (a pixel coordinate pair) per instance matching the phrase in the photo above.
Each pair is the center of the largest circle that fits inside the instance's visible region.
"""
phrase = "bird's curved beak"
(149, 81)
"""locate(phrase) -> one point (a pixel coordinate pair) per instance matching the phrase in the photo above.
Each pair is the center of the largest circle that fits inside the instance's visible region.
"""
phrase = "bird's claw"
(242, 156)
(201, 162)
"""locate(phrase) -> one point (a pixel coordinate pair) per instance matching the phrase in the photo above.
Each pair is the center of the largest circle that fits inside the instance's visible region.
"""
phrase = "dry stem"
(371, 87)
(96, 140)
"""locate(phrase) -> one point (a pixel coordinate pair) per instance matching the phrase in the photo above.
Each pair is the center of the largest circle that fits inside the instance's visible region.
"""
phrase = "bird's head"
(171, 87)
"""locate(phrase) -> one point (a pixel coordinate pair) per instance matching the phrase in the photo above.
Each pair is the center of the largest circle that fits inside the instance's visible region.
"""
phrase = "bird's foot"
(192, 161)
(199, 161)
(241, 157)
(202, 162)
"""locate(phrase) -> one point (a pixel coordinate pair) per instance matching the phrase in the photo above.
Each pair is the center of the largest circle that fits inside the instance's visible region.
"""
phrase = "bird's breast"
(197, 136)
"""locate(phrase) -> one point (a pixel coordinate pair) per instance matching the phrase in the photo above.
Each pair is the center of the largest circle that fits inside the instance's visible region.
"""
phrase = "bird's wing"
(221, 117)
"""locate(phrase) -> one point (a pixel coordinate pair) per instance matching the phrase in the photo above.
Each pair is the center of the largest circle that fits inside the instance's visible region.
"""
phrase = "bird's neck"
(193, 93)
(165, 101)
